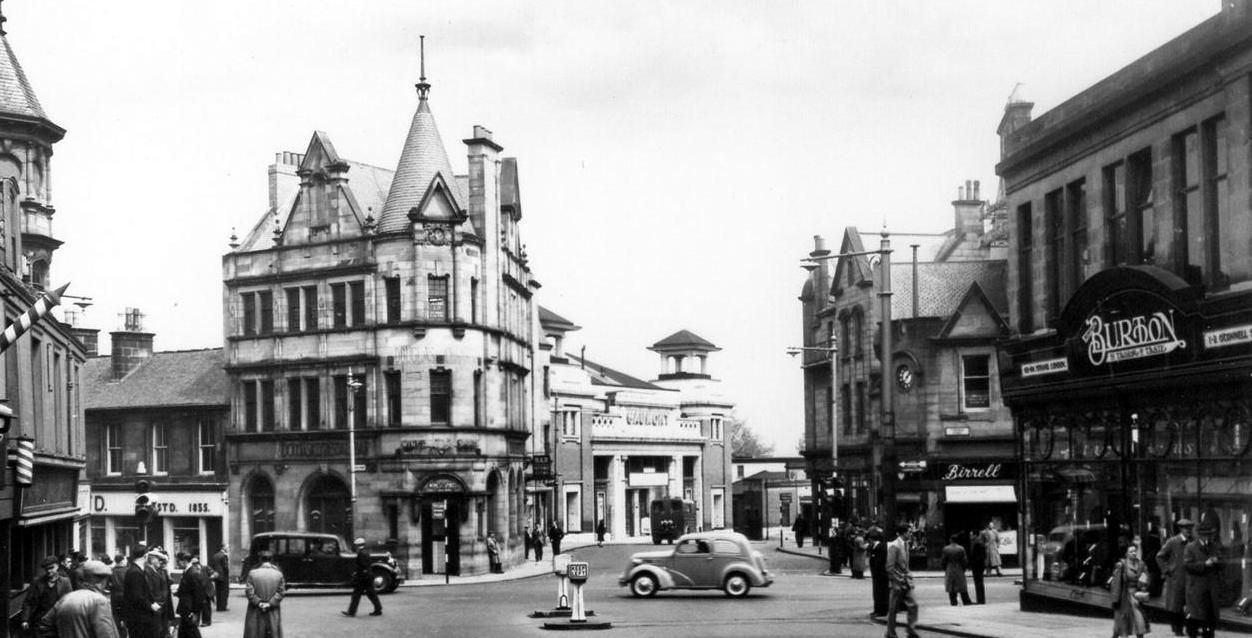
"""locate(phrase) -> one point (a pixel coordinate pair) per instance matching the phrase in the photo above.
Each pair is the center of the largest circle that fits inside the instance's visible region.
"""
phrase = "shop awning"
(979, 494)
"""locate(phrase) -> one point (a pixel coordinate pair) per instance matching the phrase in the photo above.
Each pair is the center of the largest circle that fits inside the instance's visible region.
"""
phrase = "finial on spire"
(423, 87)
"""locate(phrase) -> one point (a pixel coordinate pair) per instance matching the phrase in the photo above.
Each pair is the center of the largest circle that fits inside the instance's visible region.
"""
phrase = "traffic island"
(571, 574)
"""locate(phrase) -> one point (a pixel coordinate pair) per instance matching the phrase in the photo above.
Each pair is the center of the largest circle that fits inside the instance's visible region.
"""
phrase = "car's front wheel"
(384, 581)
(736, 585)
(643, 586)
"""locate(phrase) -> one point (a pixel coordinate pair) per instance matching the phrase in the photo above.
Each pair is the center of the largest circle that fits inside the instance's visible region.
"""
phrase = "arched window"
(259, 504)
(326, 506)
(493, 505)
(858, 331)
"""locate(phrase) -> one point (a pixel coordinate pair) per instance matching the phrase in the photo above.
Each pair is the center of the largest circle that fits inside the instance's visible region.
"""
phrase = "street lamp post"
(353, 386)
(831, 349)
(885, 442)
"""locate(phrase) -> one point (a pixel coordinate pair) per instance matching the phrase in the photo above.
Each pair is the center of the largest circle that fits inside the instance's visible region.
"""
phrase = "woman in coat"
(1129, 579)
(1203, 562)
(954, 562)
(991, 538)
(265, 588)
(859, 547)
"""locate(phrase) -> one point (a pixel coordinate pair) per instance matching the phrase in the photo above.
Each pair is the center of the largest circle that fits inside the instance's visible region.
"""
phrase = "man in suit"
(978, 565)
(1203, 563)
(363, 581)
(1170, 561)
(190, 597)
(220, 562)
(878, 570)
(901, 582)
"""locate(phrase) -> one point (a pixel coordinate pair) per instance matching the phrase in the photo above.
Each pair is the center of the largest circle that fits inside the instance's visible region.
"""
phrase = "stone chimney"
(131, 345)
(283, 179)
(968, 207)
(89, 337)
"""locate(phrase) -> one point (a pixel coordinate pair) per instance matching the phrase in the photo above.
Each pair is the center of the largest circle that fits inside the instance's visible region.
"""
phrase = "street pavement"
(803, 602)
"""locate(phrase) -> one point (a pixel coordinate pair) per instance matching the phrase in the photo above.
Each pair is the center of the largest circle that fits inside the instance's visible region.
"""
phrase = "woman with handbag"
(1129, 587)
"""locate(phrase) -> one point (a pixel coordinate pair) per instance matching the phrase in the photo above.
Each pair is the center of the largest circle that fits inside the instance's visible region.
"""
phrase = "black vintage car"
(320, 560)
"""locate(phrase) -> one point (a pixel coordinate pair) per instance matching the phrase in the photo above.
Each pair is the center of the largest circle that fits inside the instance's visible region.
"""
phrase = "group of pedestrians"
(533, 541)
(1190, 565)
(74, 597)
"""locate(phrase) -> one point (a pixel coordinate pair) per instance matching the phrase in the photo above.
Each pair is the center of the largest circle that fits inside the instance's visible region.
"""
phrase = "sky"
(675, 158)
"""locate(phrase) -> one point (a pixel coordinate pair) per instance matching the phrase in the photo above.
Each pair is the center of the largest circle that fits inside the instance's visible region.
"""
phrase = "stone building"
(617, 442)
(1129, 369)
(392, 309)
(154, 425)
(41, 369)
(953, 469)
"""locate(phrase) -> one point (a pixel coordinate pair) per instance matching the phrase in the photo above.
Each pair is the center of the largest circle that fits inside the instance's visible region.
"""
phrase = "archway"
(258, 506)
(328, 506)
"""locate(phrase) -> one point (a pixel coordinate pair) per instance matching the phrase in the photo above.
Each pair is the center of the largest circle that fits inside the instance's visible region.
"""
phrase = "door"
(452, 526)
(692, 563)
(329, 563)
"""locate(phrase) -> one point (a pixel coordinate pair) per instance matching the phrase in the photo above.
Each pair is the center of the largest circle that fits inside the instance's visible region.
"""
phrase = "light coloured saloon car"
(704, 560)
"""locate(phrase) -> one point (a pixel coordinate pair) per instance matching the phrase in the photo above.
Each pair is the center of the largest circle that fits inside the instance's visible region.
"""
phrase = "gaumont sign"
(1124, 339)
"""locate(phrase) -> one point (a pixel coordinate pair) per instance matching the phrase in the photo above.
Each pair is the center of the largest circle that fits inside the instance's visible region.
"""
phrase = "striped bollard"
(46, 303)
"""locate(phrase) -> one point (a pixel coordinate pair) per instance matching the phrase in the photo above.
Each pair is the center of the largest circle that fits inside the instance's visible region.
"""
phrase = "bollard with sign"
(577, 572)
(560, 566)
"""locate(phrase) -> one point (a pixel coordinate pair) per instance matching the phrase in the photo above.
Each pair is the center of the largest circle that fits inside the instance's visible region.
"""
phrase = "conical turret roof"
(423, 157)
(17, 97)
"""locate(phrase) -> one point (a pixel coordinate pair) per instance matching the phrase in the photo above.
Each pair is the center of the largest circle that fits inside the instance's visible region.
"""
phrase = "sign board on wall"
(649, 479)
(168, 503)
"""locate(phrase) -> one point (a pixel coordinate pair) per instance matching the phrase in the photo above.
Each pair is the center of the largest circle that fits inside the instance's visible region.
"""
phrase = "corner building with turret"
(392, 308)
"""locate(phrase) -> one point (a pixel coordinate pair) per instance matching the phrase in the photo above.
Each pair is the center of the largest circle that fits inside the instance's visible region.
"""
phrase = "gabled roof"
(606, 376)
(684, 340)
(423, 157)
(943, 285)
(974, 301)
(551, 320)
(186, 378)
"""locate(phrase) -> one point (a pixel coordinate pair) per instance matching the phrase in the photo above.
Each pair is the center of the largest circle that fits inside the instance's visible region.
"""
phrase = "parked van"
(671, 518)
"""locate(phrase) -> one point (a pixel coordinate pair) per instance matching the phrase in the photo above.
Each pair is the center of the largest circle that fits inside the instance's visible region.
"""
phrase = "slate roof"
(423, 156)
(943, 285)
(606, 376)
(549, 318)
(17, 97)
(684, 339)
(184, 378)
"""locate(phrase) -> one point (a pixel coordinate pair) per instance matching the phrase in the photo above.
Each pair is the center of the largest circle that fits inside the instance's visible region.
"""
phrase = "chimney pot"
(976, 189)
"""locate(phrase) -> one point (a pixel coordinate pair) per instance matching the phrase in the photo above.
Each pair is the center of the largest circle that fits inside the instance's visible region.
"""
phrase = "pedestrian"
(555, 533)
(537, 544)
(220, 562)
(1203, 562)
(954, 562)
(208, 591)
(1151, 545)
(264, 588)
(85, 612)
(493, 554)
(977, 567)
(878, 570)
(836, 550)
(798, 527)
(600, 533)
(190, 597)
(147, 595)
(363, 581)
(859, 548)
(1129, 587)
(991, 538)
(1170, 560)
(901, 583)
(117, 586)
(528, 541)
(44, 592)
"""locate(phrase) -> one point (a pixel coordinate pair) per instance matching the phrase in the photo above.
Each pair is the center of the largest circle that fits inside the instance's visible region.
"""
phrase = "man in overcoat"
(901, 583)
(1169, 559)
(190, 597)
(977, 565)
(954, 561)
(1203, 562)
(86, 612)
(362, 581)
(878, 570)
(264, 588)
(220, 562)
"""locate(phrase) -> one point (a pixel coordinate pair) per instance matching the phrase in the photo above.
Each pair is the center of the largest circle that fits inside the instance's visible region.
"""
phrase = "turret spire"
(423, 87)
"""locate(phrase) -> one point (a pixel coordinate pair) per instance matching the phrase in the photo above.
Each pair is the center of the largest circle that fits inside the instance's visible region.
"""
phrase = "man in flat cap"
(363, 581)
(86, 611)
(1203, 562)
(44, 592)
(147, 595)
(1169, 559)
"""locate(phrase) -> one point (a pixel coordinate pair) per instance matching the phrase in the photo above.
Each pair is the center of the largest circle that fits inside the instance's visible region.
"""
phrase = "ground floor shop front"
(36, 521)
(193, 522)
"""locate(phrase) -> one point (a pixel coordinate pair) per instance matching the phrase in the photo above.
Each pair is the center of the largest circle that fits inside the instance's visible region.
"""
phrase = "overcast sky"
(675, 158)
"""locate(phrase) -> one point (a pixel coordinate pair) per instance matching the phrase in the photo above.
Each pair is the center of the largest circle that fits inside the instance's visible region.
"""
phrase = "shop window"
(186, 532)
(975, 382)
(113, 449)
(160, 449)
(206, 445)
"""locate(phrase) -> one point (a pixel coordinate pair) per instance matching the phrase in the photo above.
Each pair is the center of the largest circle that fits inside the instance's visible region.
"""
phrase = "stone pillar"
(702, 504)
(617, 496)
(676, 476)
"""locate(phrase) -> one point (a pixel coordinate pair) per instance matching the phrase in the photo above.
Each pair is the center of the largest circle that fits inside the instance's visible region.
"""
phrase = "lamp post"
(830, 349)
(353, 386)
(885, 442)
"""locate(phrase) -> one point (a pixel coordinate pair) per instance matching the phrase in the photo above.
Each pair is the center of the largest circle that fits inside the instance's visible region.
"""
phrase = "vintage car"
(310, 559)
(705, 560)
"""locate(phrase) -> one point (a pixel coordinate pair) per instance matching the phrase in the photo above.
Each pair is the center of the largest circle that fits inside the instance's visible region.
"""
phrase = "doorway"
(441, 535)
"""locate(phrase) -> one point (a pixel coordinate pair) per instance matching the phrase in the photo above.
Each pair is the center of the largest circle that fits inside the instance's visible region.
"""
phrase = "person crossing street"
(362, 582)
